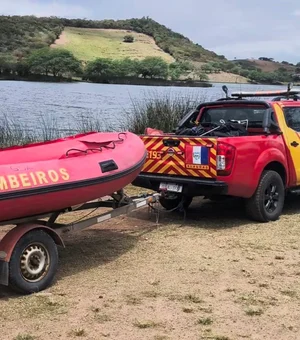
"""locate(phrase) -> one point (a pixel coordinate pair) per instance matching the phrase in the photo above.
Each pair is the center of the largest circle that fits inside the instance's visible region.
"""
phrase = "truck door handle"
(294, 143)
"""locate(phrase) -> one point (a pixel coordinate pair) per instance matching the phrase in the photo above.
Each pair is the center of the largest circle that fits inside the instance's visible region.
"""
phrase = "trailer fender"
(9, 241)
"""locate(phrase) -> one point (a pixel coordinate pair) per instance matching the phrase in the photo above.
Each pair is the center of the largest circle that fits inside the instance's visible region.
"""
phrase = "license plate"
(170, 187)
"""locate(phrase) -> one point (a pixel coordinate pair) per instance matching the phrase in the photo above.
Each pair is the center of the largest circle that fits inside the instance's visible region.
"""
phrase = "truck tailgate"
(192, 157)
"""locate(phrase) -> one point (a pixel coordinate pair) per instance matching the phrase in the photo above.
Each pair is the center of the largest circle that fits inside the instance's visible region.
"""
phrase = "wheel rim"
(271, 198)
(34, 262)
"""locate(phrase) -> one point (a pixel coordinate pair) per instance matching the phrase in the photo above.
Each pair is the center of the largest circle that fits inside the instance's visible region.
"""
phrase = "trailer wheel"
(170, 202)
(268, 200)
(33, 263)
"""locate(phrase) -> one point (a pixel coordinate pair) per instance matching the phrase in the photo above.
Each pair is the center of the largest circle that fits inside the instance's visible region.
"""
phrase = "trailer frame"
(30, 248)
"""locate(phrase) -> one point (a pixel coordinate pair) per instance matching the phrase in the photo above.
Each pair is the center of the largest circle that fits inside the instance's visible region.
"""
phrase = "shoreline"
(114, 81)
(134, 81)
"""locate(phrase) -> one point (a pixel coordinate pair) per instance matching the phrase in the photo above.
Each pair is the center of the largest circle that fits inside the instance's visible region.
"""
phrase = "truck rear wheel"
(172, 201)
(33, 263)
(267, 202)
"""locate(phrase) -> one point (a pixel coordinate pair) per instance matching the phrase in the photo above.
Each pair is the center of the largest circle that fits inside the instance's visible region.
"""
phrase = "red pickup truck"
(237, 147)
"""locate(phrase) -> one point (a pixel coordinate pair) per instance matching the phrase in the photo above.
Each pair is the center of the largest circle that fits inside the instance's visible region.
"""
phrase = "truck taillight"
(225, 158)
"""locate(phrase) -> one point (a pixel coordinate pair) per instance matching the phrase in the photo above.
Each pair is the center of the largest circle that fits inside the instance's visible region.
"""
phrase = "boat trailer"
(29, 251)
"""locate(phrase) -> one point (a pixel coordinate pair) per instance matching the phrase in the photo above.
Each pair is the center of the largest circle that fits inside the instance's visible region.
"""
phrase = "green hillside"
(25, 42)
(21, 35)
(25, 33)
(88, 44)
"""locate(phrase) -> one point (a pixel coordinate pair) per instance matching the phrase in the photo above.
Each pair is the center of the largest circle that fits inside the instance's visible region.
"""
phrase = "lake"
(64, 105)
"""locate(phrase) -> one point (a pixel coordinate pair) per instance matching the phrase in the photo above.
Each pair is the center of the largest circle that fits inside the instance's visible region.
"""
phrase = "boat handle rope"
(83, 151)
(92, 149)
(100, 148)
(107, 142)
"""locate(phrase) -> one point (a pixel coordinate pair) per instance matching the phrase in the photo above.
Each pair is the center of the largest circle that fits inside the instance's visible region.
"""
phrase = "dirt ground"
(215, 275)
(62, 40)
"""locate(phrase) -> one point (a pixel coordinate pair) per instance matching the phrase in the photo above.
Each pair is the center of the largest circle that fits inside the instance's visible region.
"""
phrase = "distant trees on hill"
(20, 35)
(266, 59)
(60, 63)
(149, 67)
(57, 62)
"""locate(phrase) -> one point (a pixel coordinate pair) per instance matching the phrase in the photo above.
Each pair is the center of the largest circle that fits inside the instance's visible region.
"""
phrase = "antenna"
(289, 87)
(225, 89)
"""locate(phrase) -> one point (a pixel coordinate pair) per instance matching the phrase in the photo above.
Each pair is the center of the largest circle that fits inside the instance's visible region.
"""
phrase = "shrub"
(160, 111)
(128, 38)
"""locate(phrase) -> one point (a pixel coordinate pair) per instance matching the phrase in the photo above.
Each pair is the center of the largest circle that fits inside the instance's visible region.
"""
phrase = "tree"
(127, 67)
(101, 68)
(22, 69)
(207, 68)
(128, 38)
(153, 67)
(38, 61)
(216, 66)
(266, 59)
(179, 68)
(58, 62)
(200, 75)
(6, 66)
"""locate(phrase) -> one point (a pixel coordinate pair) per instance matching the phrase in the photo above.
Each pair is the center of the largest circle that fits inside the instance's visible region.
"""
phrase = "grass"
(188, 310)
(13, 132)
(154, 110)
(133, 300)
(30, 306)
(193, 298)
(24, 337)
(205, 321)
(87, 44)
(254, 311)
(160, 111)
(145, 324)
(102, 318)
(78, 332)
(289, 293)
(150, 294)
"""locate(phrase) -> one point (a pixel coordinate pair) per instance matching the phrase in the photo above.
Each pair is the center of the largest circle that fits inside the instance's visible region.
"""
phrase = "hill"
(26, 33)
(90, 43)
(265, 65)
(21, 35)
(173, 43)
(86, 40)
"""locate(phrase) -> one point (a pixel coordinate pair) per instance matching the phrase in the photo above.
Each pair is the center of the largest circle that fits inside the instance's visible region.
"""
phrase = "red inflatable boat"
(45, 177)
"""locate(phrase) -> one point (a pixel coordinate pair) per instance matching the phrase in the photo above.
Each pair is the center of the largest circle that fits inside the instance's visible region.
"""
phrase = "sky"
(234, 28)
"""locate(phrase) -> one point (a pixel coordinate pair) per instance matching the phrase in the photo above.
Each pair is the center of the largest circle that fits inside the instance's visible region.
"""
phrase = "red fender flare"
(9, 241)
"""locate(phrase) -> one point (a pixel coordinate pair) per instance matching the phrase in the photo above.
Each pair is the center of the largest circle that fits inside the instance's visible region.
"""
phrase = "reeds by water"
(154, 110)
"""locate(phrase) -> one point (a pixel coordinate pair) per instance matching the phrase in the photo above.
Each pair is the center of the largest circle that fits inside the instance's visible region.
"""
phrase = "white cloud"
(33, 7)
(296, 13)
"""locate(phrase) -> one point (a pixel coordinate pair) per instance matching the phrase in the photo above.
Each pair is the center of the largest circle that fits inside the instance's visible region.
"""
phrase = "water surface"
(65, 105)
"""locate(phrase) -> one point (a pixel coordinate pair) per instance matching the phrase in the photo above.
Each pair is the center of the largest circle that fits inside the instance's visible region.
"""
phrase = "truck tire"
(33, 263)
(170, 203)
(268, 200)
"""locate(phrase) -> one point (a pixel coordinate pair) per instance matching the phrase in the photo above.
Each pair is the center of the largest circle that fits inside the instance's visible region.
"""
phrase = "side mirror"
(269, 125)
